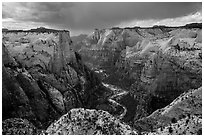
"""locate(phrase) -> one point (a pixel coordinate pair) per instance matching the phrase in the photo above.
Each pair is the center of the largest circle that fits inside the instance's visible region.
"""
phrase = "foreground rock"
(183, 116)
(191, 125)
(17, 126)
(89, 122)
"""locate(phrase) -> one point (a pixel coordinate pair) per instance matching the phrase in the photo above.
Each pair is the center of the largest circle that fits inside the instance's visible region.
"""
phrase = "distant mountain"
(4, 29)
(78, 41)
(40, 29)
(79, 37)
(83, 36)
(193, 25)
(190, 25)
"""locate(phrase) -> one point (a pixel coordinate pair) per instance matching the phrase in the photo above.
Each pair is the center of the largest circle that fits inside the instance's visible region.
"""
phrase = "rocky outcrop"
(89, 122)
(183, 116)
(17, 126)
(188, 126)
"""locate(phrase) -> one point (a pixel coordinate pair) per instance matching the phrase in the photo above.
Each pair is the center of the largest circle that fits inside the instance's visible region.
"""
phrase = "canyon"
(114, 81)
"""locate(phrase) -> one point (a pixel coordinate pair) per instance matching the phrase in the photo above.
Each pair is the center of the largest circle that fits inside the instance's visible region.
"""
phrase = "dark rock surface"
(15, 103)
(22, 97)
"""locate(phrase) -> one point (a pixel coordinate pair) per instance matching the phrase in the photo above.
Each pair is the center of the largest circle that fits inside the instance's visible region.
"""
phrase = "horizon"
(103, 28)
(83, 18)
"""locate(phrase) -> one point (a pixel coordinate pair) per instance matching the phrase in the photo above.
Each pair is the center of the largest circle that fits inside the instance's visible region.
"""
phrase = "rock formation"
(89, 122)
(42, 91)
(126, 75)
(62, 53)
(22, 96)
(183, 116)
(17, 126)
(155, 64)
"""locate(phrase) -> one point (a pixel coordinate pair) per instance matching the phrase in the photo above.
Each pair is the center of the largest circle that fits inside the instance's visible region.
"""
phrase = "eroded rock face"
(43, 91)
(191, 125)
(166, 74)
(89, 122)
(57, 99)
(45, 79)
(37, 98)
(62, 53)
(82, 86)
(183, 116)
(7, 59)
(15, 103)
(22, 96)
(155, 64)
(35, 53)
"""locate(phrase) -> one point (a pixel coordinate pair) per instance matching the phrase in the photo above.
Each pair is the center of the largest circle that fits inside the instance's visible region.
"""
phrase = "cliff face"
(170, 71)
(132, 73)
(155, 64)
(62, 53)
(45, 79)
(22, 97)
(182, 116)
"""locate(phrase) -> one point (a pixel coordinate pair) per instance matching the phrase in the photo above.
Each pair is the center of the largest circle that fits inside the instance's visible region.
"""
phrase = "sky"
(84, 17)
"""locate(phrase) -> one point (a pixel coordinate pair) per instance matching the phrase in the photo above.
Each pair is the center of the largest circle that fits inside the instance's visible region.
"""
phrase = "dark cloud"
(96, 15)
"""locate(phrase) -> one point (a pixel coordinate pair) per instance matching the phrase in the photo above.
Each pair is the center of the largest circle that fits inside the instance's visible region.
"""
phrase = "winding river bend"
(118, 94)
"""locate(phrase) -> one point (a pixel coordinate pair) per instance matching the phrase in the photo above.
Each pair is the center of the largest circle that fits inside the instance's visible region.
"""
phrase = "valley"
(119, 81)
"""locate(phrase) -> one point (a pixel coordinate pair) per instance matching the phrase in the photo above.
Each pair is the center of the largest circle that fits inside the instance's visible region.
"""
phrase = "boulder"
(89, 122)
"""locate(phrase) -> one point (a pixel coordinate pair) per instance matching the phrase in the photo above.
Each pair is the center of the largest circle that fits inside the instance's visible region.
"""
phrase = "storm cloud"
(86, 16)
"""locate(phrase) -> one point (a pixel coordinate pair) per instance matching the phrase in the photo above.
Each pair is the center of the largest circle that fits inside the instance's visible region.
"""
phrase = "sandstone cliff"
(131, 73)
(45, 79)
(42, 83)
(183, 116)
(155, 64)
